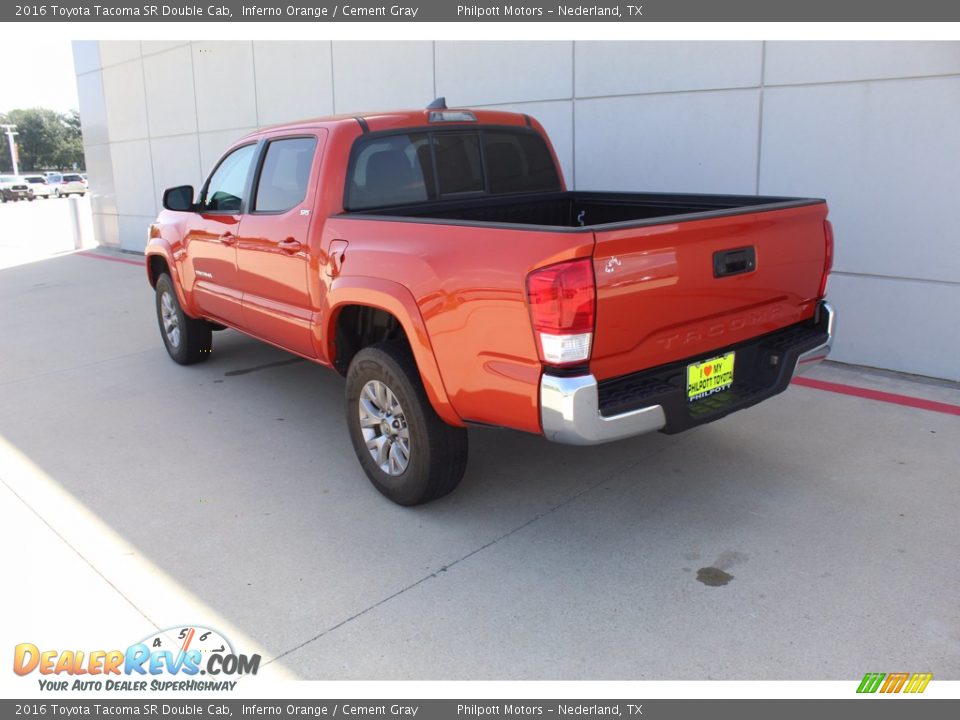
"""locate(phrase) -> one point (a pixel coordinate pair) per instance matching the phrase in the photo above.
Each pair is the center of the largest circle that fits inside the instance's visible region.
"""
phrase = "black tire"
(437, 455)
(194, 340)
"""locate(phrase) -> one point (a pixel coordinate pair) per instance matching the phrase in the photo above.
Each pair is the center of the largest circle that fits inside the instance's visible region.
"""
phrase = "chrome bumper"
(570, 413)
(812, 358)
(570, 408)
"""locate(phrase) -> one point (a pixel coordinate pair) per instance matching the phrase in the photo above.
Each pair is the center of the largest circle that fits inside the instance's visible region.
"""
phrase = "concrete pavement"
(139, 494)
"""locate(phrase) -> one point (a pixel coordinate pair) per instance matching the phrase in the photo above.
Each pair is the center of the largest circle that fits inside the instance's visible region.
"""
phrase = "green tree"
(46, 140)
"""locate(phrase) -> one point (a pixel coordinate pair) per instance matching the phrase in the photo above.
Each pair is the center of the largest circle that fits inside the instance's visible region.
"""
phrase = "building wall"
(871, 126)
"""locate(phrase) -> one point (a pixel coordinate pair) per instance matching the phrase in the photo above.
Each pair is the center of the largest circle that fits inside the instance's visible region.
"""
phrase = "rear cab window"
(406, 168)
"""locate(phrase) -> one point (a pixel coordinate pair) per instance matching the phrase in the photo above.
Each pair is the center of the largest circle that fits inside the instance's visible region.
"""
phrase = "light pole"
(10, 131)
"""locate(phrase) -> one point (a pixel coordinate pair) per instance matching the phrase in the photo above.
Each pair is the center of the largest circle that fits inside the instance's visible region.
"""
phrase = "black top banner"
(485, 11)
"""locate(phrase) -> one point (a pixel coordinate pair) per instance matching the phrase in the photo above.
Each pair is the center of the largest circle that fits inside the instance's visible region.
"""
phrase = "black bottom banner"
(875, 708)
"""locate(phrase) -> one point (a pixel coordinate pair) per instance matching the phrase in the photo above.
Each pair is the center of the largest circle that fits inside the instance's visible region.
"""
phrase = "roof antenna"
(439, 104)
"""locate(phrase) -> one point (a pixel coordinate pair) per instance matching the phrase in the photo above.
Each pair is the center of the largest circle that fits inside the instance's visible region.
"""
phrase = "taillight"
(562, 307)
(828, 258)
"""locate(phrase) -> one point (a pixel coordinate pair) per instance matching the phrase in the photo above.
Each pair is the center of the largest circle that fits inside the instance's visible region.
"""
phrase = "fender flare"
(159, 248)
(398, 301)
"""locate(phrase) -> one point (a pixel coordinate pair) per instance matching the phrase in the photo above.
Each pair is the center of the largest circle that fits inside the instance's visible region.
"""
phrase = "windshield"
(36, 180)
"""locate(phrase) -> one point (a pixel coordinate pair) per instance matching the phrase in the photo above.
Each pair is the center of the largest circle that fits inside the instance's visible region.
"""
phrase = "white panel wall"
(697, 142)
(170, 113)
(871, 126)
(819, 62)
(381, 76)
(631, 68)
(487, 73)
(294, 80)
(225, 85)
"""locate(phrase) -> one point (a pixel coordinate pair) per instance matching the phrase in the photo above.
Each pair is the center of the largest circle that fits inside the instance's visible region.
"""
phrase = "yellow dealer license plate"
(709, 377)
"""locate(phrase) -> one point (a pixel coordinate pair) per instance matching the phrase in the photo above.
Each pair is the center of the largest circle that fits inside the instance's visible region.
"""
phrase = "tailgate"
(660, 299)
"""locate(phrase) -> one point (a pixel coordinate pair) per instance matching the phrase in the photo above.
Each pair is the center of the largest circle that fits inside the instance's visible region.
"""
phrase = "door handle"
(228, 238)
(290, 245)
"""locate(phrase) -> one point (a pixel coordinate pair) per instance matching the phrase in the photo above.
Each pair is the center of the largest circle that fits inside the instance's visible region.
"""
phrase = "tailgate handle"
(734, 262)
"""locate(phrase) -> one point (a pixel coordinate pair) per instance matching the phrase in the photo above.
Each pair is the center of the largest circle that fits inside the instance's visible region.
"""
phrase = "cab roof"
(398, 119)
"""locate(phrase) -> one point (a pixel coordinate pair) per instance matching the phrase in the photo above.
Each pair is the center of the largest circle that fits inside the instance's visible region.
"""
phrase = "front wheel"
(187, 339)
(407, 451)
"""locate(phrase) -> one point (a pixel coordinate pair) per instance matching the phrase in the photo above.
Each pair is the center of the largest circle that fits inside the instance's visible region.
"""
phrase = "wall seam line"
(573, 113)
(763, 77)
(897, 278)
(253, 69)
(333, 87)
(146, 112)
(196, 109)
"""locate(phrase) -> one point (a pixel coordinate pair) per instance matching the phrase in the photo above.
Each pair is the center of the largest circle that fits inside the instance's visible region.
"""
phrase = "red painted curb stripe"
(894, 398)
(98, 256)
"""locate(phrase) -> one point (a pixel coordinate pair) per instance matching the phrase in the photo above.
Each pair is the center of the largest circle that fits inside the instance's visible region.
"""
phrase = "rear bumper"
(579, 410)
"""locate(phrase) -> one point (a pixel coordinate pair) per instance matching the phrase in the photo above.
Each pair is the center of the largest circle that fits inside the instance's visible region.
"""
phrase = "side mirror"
(179, 198)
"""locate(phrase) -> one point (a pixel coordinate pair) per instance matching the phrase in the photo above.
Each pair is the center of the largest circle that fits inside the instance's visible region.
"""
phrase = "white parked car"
(38, 185)
(66, 184)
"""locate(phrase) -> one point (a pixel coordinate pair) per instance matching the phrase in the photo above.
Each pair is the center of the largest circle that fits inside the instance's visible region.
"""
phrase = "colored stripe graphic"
(895, 682)
(894, 398)
(870, 682)
(918, 682)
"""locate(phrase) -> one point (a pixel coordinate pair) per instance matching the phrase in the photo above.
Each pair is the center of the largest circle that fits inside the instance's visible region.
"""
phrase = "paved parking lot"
(812, 537)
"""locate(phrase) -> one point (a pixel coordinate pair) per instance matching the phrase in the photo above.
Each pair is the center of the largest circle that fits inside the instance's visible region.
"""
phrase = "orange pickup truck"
(436, 259)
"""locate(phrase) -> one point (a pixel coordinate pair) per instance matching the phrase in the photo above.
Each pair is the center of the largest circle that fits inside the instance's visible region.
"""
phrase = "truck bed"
(583, 211)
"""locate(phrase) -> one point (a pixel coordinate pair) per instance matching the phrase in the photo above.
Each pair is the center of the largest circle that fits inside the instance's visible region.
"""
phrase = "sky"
(47, 81)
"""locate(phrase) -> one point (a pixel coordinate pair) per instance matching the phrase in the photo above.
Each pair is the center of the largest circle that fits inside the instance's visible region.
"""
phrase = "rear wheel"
(187, 339)
(407, 451)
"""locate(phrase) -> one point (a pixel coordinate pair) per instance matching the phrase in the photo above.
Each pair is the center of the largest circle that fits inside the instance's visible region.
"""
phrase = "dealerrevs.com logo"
(181, 658)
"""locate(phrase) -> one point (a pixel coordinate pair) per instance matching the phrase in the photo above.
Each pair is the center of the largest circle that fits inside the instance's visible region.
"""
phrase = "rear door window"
(285, 174)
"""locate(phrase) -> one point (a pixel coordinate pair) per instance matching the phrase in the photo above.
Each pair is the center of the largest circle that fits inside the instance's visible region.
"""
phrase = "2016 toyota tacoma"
(437, 260)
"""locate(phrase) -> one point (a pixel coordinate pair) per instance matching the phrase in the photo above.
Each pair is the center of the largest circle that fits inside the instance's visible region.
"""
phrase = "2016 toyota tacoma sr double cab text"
(436, 259)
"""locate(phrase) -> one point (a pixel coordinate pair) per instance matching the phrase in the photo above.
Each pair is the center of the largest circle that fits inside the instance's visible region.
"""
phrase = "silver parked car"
(66, 184)
(14, 187)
